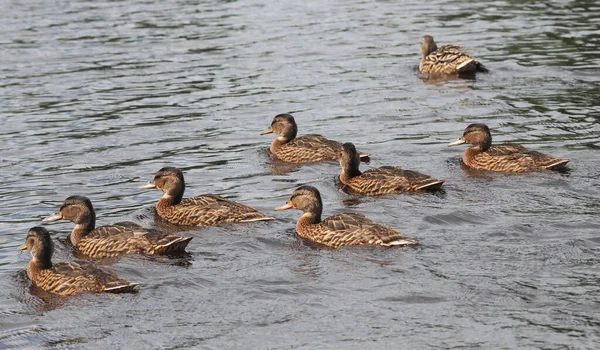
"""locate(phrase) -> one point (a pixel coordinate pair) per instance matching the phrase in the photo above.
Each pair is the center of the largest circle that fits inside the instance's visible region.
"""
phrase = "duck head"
(283, 125)
(477, 135)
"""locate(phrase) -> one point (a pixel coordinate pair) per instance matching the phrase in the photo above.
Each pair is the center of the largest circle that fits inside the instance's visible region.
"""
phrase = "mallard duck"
(66, 278)
(307, 148)
(383, 180)
(508, 157)
(447, 59)
(341, 229)
(203, 210)
(113, 240)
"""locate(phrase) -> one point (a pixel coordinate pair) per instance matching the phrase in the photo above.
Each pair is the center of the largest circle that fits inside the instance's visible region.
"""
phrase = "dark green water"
(97, 96)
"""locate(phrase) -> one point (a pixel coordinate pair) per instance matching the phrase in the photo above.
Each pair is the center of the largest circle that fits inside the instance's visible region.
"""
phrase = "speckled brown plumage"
(67, 278)
(382, 180)
(307, 148)
(113, 240)
(447, 59)
(339, 230)
(508, 157)
(203, 210)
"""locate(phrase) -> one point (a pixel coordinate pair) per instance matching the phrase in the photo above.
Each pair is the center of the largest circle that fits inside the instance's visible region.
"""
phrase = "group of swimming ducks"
(111, 241)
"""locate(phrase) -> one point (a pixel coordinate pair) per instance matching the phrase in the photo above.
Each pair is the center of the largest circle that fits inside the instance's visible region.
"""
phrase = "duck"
(345, 229)
(382, 180)
(446, 60)
(304, 149)
(113, 240)
(202, 210)
(507, 157)
(67, 278)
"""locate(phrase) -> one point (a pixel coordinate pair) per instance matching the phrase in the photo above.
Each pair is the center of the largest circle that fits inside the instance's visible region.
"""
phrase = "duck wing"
(312, 148)
(130, 238)
(309, 148)
(212, 209)
(356, 229)
(517, 158)
(448, 59)
(75, 277)
(392, 179)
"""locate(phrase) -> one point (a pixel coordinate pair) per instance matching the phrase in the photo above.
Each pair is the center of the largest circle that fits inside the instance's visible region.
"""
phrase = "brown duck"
(341, 229)
(203, 210)
(307, 148)
(447, 59)
(113, 240)
(508, 157)
(66, 278)
(383, 180)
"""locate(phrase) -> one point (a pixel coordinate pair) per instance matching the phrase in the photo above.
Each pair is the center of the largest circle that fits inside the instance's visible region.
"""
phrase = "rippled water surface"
(96, 96)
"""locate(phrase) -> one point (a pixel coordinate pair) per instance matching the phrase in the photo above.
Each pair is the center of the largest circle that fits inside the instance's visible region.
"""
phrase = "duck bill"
(457, 142)
(285, 207)
(268, 131)
(51, 218)
(147, 187)
(22, 247)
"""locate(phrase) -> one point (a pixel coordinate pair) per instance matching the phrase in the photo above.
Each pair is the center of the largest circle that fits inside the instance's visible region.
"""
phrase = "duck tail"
(557, 164)
(432, 186)
(365, 157)
(468, 65)
(400, 242)
(481, 68)
(175, 246)
(122, 288)
(262, 218)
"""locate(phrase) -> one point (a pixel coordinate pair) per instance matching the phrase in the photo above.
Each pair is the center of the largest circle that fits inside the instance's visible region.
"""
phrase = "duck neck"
(470, 153)
(171, 197)
(485, 144)
(350, 170)
(36, 266)
(287, 135)
(481, 141)
(305, 221)
(166, 202)
(82, 229)
(427, 49)
(348, 174)
(276, 144)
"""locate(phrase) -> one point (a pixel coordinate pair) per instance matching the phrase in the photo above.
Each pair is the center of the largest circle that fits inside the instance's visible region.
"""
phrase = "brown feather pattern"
(447, 59)
(308, 148)
(350, 229)
(508, 157)
(66, 278)
(114, 240)
(76, 277)
(511, 158)
(203, 210)
(207, 210)
(341, 229)
(382, 180)
(303, 149)
(129, 238)
(391, 179)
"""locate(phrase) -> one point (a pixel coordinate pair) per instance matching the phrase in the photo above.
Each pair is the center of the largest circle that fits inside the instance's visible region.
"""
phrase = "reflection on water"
(97, 96)
(44, 301)
(35, 298)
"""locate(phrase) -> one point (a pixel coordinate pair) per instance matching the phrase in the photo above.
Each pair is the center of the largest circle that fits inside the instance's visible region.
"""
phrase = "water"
(97, 96)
